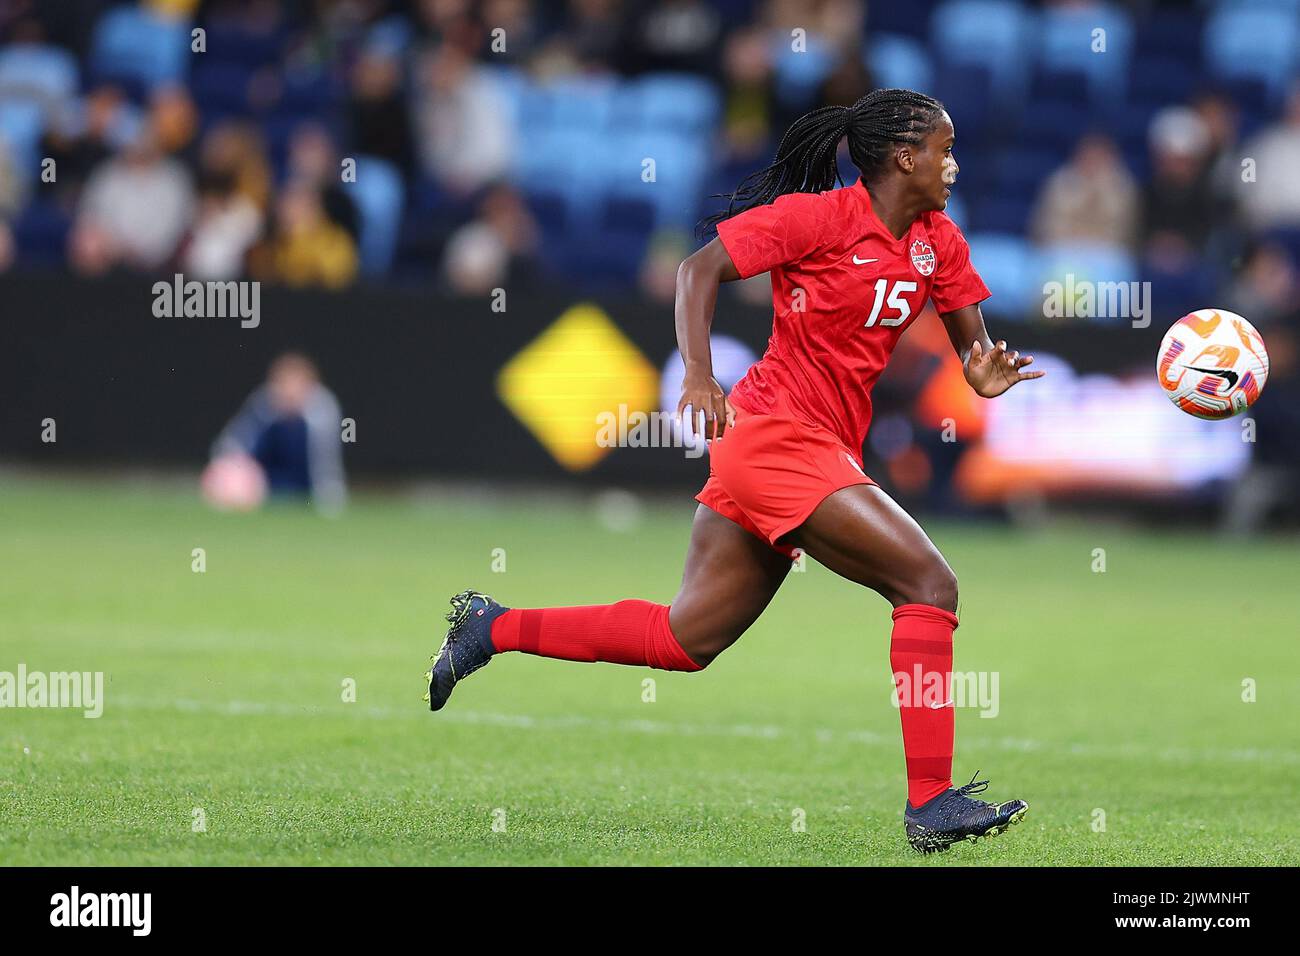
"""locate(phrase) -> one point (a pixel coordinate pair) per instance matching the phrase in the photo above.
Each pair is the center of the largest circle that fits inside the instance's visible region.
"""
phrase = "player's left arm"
(990, 368)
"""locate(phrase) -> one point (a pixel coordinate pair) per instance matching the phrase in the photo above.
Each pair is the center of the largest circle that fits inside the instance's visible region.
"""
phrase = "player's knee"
(703, 651)
(936, 586)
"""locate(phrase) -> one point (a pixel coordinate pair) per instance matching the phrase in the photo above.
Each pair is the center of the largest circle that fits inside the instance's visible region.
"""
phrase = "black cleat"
(954, 815)
(467, 646)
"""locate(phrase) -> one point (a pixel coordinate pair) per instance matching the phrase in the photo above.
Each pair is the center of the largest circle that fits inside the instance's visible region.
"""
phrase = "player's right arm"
(698, 279)
(750, 243)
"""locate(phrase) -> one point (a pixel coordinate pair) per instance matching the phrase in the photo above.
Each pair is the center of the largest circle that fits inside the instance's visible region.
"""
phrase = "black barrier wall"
(416, 371)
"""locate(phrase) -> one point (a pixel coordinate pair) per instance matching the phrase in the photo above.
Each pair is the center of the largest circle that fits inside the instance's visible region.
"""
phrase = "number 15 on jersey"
(891, 296)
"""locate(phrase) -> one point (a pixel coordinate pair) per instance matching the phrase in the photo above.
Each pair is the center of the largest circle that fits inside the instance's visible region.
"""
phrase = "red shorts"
(768, 474)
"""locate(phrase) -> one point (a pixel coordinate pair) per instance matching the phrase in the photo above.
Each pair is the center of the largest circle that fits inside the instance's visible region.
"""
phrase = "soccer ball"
(1212, 364)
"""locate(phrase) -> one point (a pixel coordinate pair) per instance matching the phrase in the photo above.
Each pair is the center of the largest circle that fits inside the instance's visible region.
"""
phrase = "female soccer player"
(850, 269)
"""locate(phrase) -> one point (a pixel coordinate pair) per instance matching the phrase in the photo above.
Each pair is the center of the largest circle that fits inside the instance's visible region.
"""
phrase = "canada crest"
(922, 257)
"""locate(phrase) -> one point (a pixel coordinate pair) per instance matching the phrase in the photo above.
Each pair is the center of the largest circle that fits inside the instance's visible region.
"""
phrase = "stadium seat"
(799, 74)
(1065, 44)
(966, 89)
(580, 103)
(1008, 265)
(993, 34)
(131, 43)
(379, 194)
(41, 233)
(909, 19)
(1260, 43)
(220, 87)
(232, 41)
(681, 164)
(21, 124)
(1005, 213)
(47, 73)
(900, 61)
(676, 102)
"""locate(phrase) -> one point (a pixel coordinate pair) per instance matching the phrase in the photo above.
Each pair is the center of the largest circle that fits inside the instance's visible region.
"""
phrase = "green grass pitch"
(1120, 694)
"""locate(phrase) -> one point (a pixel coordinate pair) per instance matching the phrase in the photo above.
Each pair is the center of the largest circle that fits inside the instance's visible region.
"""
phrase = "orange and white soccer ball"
(1212, 364)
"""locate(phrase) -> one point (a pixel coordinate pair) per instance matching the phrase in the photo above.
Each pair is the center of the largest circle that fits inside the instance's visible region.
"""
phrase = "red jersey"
(843, 291)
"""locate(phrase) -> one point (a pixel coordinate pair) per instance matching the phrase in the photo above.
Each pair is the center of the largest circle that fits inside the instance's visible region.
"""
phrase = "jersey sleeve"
(956, 283)
(760, 239)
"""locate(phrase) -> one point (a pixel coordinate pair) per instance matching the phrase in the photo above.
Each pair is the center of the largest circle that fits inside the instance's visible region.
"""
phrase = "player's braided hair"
(805, 161)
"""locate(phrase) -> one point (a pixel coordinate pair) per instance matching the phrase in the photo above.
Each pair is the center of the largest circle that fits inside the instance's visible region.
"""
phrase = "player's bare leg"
(863, 535)
(729, 578)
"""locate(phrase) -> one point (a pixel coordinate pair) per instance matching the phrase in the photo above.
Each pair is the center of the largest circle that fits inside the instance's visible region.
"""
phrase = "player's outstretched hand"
(711, 413)
(993, 372)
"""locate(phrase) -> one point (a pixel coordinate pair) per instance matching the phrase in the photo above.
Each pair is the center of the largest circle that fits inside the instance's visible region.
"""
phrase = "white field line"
(237, 708)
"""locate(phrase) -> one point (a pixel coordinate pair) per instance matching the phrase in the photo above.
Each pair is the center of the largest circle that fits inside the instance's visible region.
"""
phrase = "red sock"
(629, 632)
(920, 654)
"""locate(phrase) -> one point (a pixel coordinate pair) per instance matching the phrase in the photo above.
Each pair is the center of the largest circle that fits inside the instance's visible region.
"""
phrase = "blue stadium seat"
(967, 91)
(1009, 267)
(131, 43)
(1007, 212)
(48, 73)
(232, 41)
(681, 164)
(379, 194)
(994, 34)
(911, 19)
(581, 103)
(21, 124)
(901, 61)
(41, 233)
(678, 102)
(220, 87)
(1260, 43)
(1160, 80)
(799, 74)
(1065, 44)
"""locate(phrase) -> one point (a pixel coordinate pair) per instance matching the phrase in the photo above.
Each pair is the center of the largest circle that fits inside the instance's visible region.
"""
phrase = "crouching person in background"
(284, 441)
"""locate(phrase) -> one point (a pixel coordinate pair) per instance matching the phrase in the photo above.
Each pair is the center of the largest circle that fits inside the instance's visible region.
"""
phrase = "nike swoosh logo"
(862, 262)
(1228, 374)
(941, 706)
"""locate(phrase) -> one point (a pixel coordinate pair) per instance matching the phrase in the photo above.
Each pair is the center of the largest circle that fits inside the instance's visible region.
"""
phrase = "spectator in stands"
(83, 137)
(234, 190)
(1178, 206)
(1273, 199)
(174, 120)
(464, 135)
(658, 277)
(380, 120)
(497, 247)
(134, 211)
(305, 248)
(287, 437)
(592, 33)
(1219, 114)
(1266, 287)
(1092, 198)
(521, 30)
(749, 102)
(315, 159)
(679, 36)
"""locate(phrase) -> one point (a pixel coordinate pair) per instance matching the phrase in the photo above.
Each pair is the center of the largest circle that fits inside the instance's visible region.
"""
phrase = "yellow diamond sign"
(577, 369)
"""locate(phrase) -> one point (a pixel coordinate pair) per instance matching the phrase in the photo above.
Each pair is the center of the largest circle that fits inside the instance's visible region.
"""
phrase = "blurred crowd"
(319, 142)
